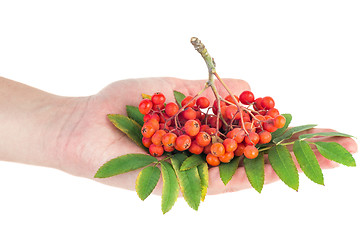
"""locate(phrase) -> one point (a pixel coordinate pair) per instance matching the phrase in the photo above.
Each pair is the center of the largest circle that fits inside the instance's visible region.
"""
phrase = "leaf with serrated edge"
(203, 170)
(280, 131)
(227, 170)
(124, 164)
(254, 169)
(146, 181)
(170, 187)
(323, 134)
(289, 133)
(189, 181)
(308, 161)
(178, 97)
(134, 113)
(192, 161)
(129, 127)
(283, 165)
(336, 152)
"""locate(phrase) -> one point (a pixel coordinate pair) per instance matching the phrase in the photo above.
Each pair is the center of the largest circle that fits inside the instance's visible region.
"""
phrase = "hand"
(94, 140)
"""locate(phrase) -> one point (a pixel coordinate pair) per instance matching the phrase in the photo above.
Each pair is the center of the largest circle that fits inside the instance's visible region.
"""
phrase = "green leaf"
(124, 164)
(323, 134)
(192, 161)
(335, 152)
(146, 181)
(289, 133)
(129, 127)
(170, 187)
(203, 170)
(308, 161)
(283, 165)
(134, 113)
(178, 97)
(189, 181)
(254, 169)
(227, 170)
(280, 131)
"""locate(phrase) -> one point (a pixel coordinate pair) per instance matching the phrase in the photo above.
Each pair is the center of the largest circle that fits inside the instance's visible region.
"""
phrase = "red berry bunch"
(236, 129)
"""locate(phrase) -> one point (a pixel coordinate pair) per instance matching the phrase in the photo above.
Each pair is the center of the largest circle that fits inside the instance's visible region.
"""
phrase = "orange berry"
(189, 114)
(157, 137)
(168, 148)
(183, 142)
(156, 150)
(279, 121)
(169, 139)
(212, 160)
(264, 137)
(192, 128)
(171, 109)
(217, 149)
(237, 134)
(251, 152)
(230, 145)
(148, 130)
(226, 157)
(273, 112)
(252, 138)
(203, 139)
(146, 142)
(187, 100)
(195, 148)
(240, 149)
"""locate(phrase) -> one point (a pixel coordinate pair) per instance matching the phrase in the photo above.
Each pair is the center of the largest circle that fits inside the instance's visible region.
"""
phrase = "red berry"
(267, 102)
(156, 150)
(146, 142)
(168, 149)
(154, 122)
(203, 139)
(158, 98)
(251, 152)
(158, 107)
(192, 128)
(258, 121)
(202, 102)
(230, 145)
(189, 114)
(231, 111)
(183, 142)
(187, 101)
(246, 97)
(269, 126)
(195, 148)
(215, 107)
(240, 149)
(217, 149)
(145, 106)
(212, 160)
(212, 121)
(279, 121)
(229, 98)
(257, 104)
(207, 149)
(171, 109)
(273, 112)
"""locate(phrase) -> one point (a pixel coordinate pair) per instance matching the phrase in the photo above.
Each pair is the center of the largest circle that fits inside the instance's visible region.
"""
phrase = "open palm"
(92, 139)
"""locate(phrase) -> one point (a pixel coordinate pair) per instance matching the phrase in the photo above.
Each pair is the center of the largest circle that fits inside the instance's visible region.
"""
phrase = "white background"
(307, 54)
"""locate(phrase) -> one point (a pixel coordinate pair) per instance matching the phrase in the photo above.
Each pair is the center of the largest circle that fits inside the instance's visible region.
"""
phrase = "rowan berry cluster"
(199, 127)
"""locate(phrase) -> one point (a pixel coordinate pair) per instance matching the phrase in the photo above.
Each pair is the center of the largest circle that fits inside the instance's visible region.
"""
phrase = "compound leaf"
(192, 161)
(323, 134)
(134, 113)
(189, 181)
(124, 164)
(146, 181)
(335, 152)
(289, 133)
(227, 170)
(254, 169)
(203, 170)
(308, 161)
(283, 165)
(129, 127)
(170, 187)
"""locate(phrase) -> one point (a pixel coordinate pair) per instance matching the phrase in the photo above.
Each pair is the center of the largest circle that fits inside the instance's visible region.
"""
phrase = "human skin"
(73, 134)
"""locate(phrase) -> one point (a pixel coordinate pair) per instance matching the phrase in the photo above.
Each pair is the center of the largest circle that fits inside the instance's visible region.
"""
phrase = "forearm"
(28, 123)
